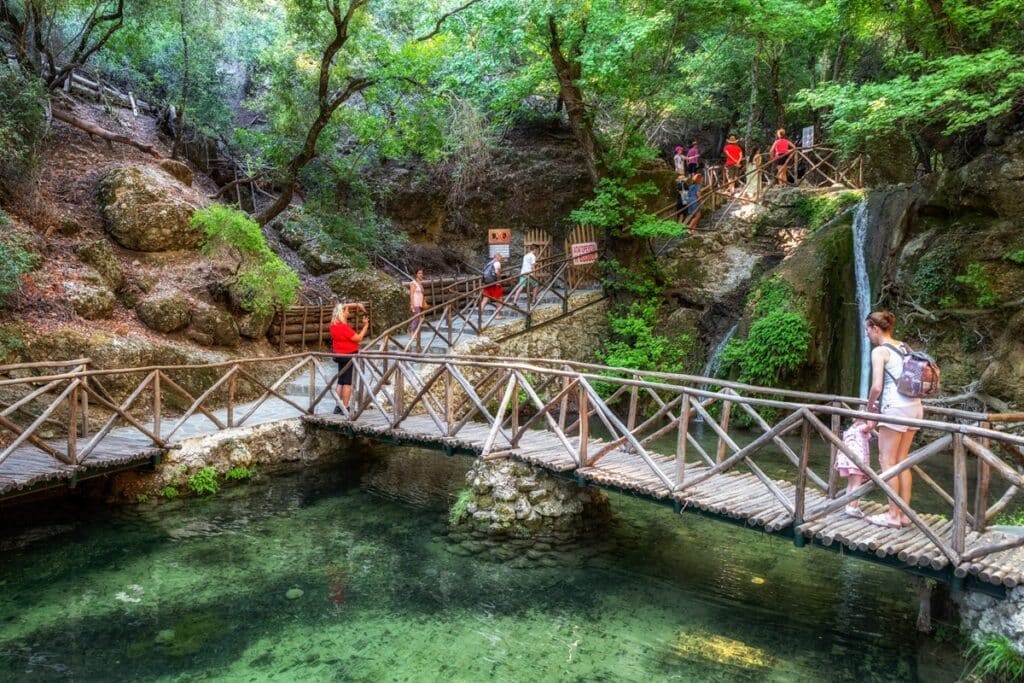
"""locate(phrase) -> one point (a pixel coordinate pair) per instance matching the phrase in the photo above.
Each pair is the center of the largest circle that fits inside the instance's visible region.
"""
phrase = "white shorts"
(913, 411)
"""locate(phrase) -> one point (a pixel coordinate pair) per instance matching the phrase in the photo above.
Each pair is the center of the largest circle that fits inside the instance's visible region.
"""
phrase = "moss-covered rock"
(178, 170)
(165, 311)
(254, 325)
(212, 326)
(320, 259)
(388, 299)
(146, 210)
(90, 298)
(100, 256)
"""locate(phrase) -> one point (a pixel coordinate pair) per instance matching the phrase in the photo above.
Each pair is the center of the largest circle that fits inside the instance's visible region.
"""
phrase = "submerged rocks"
(146, 210)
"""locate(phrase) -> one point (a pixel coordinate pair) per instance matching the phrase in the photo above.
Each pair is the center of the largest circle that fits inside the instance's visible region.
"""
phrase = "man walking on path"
(733, 158)
(527, 283)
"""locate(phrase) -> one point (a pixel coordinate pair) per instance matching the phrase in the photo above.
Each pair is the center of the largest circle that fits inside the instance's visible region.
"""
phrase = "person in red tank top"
(782, 153)
(733, 156)
(345, 344)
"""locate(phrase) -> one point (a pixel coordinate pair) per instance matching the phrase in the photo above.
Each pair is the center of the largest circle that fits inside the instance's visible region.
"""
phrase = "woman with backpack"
(492, 286)
(888, 396)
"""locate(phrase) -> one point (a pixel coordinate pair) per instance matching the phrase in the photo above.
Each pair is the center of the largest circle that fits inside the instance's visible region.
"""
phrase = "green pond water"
(199, 590)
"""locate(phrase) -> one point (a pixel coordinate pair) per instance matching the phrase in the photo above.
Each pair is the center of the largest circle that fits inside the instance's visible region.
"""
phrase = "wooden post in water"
(959, 528)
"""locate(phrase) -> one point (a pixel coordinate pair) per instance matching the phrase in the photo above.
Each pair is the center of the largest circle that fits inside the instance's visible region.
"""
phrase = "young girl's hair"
(883, 320)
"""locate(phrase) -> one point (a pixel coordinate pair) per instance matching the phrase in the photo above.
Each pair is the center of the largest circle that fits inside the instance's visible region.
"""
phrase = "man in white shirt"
(527, 282)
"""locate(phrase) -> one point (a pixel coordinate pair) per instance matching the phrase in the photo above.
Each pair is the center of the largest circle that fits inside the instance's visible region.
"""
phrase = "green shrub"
(816, 210)
(1015, 518)
(240, 473)
(169, 492)
(263, 281)
(22, 122)
(778, 340)
(142, 498)
(1015, 256)
(15, 261)
(204, 482)
(977, 279)
(458, 512)
(931, 276)
(10, 341)
(995, 659)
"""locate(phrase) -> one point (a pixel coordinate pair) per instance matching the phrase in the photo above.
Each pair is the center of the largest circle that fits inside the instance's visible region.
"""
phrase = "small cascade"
(715, 359)
(863, 290)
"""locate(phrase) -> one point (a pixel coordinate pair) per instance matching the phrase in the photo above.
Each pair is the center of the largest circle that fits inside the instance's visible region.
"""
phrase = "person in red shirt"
(345, 344)
(733, 158)
(781, 153)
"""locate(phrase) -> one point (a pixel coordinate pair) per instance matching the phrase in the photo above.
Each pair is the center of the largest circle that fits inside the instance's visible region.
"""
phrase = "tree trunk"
(774, 77)
(580, 122)
(89, 128)
(754, 78)
(179, 123)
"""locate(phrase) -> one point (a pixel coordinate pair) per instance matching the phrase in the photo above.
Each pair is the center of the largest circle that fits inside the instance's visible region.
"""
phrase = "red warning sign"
(499, 236)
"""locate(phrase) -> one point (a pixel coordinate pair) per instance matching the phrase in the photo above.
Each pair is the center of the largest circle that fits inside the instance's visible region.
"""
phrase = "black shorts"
(345, 376)
(691, 168)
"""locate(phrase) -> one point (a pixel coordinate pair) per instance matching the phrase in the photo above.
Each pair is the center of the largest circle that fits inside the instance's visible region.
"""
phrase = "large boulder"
(388, 299)
(320, 259)
(147, 210)
(255, 325)
(165, 312)
(212, 326)
(178, 170)
(90, 298)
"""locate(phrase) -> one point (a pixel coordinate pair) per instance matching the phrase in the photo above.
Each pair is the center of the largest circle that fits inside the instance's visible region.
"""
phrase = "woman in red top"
(345, 343)
(733, 157)
(782, 151)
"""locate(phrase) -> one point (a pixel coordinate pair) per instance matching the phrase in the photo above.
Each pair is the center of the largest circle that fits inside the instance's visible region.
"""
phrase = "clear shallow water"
(196, 590)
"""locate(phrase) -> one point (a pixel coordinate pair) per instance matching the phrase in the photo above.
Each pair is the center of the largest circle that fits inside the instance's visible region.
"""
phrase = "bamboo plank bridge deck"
(614, 428)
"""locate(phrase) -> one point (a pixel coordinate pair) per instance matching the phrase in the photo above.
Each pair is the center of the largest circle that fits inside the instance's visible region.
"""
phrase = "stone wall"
(506, 498)
(986, 616)
(576, 337)
(266, 447)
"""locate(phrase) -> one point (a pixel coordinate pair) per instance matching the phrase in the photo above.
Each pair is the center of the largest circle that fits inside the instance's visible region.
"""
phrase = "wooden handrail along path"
(612, 427)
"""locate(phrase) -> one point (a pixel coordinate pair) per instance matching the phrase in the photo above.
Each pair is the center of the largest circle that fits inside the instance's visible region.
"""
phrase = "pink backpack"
(920, 376)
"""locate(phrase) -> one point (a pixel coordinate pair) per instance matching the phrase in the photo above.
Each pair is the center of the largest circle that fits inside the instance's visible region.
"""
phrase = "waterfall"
(863, 280)
(715, 359)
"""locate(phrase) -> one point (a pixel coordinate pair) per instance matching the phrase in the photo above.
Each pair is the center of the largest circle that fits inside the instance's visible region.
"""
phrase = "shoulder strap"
(903, 352)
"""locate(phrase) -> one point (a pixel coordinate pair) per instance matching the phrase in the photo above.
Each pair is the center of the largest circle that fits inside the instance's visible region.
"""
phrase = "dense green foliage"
(931, 276)
(816, 210)
(16, 259)
(240, 473)
(22, 124)
(458, 511)
(204, 482)
(777, 341)
(635, 345)
(977, 280)
(262, 279)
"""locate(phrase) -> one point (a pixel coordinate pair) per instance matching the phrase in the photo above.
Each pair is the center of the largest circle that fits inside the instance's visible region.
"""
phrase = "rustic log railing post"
(724, 424)
(73, 426)
(833, 474)
(800, 499)
(681, 434)
(959, 528)
(449, 407)
(312, 385)
(157, 404)
(981, 486)
(584, 410)
(563, 409)
(515, 412)
(399, 388)
(85, 405)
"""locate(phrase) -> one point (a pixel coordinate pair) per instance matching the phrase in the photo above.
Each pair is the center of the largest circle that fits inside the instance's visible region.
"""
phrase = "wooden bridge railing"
(572, 400)
(461, 313)
(69, 414)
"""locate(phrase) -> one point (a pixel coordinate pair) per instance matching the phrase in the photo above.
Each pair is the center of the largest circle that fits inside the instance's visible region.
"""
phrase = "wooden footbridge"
(764, 460)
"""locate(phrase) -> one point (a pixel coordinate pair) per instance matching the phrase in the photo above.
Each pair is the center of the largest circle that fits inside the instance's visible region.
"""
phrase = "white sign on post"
(495, 249)
(807, 137)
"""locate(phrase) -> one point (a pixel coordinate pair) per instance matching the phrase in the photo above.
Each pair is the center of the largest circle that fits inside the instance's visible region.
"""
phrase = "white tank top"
(893, 369)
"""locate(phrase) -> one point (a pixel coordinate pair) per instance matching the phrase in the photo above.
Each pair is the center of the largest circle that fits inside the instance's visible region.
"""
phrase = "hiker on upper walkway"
(733, 162)
(782, 153)
(693, 199)
(492, 285)
(527, 282)
(417, 304)
(679, 161)
(894, 440)
(692, 158)
(682, 197)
